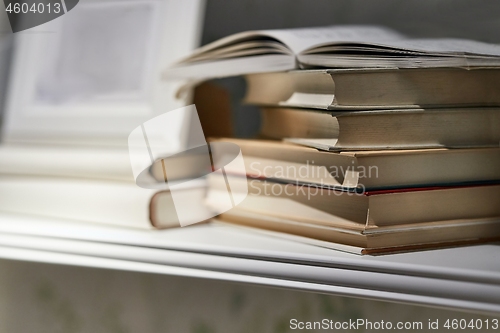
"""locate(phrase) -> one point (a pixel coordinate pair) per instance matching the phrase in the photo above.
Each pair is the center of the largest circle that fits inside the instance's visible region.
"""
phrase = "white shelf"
(465, 278)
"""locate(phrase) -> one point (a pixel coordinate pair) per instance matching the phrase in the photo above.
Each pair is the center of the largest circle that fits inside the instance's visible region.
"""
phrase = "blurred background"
(51, 298)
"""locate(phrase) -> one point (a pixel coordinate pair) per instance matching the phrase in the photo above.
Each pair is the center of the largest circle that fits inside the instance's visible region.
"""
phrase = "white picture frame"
(65, 89)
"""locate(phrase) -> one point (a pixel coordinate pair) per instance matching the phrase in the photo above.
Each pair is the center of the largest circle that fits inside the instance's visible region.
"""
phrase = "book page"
(299, 40)
(448, 46)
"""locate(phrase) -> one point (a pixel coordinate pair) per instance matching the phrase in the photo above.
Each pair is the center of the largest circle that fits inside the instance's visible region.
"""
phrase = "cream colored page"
(453, 46)
(299, 40)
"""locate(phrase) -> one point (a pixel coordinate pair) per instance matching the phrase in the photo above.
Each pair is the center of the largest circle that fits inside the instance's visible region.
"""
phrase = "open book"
(332, 47)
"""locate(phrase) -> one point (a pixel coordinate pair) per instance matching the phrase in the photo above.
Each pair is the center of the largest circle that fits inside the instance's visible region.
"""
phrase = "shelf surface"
(465, 278)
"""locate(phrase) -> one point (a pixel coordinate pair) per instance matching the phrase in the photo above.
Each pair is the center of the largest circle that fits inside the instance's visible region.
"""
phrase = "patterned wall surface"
(63, 299)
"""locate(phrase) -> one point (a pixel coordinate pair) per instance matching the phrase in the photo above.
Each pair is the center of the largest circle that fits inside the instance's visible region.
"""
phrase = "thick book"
(368, 170)
(97, 201)
(384, 129)
(371, 222)
(95, 185)
(368, 243)
(352, 89)
(331, 47)
(369, 210)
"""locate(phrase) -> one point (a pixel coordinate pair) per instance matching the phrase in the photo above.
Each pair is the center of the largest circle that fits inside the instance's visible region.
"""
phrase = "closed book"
(105, 202)
(368, 170)
(385, 129)
(374, 210)
(361, 89)
(375, 222)
(368, 243)
(94, 185)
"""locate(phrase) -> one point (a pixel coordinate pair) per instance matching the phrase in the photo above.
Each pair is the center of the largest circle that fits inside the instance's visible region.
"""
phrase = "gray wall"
(477, 19)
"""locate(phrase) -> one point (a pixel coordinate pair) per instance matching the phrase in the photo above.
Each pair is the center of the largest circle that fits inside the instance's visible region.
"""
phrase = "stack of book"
(370, 142)
(84, 184)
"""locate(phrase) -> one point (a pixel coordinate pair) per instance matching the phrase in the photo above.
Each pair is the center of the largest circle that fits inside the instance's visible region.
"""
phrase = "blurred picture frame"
(92, 75)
